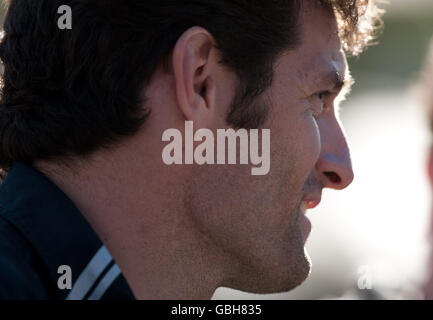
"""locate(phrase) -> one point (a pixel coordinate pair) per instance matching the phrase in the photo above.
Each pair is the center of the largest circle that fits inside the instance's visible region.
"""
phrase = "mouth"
(311, 201)
(308, 202)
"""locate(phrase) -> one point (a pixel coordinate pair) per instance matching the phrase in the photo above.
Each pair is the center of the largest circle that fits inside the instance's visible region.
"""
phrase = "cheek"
(314, 139)
(296, 147)
(295, 140)
(309, 139)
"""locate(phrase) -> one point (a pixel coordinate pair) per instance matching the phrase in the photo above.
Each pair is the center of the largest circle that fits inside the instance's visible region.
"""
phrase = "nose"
(334, 164)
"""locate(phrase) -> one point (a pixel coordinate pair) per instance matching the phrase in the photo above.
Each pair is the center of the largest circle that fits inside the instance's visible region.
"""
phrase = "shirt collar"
(49, 220)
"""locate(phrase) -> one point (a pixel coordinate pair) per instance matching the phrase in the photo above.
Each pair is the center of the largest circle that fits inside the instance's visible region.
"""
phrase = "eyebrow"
(336, 81)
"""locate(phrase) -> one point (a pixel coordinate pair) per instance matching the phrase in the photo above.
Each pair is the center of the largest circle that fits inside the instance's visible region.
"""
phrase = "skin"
(180, 232)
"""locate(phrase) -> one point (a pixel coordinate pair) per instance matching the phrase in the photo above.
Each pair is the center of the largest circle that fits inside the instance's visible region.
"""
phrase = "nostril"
(333, 177)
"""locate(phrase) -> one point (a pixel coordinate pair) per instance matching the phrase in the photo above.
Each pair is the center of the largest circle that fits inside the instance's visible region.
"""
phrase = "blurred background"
(370, 240)
(374, 233)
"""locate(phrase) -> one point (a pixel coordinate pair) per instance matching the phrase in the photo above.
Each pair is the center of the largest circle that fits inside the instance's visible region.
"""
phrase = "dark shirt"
(41, 230)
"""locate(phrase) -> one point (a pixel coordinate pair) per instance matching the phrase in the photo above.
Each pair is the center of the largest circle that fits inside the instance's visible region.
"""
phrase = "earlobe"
(193, 72)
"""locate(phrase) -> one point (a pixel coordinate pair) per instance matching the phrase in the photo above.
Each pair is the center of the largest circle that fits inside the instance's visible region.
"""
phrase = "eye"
(323, 95)
(319, 102)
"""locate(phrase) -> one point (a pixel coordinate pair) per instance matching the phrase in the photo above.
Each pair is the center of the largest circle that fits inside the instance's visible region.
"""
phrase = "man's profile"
(82, 116)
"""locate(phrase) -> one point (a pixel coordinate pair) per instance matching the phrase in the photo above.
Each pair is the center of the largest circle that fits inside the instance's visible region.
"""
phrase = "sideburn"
(249, 109)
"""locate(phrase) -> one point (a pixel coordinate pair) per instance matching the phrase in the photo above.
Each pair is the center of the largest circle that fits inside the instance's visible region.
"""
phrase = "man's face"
(259, 221)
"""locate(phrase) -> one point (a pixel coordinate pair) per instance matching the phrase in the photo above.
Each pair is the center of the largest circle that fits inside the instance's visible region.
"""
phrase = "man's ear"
(194, 65)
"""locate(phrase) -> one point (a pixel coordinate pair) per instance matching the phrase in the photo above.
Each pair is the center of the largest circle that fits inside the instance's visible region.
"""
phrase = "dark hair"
(71, 92)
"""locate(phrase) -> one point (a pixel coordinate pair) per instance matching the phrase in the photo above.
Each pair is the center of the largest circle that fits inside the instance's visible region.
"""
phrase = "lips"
(310, 201)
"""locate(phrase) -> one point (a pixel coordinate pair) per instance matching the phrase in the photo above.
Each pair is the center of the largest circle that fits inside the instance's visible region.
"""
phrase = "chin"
(291, 277)
(289, 274)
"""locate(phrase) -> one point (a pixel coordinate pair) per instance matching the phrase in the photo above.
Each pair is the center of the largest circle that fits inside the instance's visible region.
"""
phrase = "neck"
(142, 218)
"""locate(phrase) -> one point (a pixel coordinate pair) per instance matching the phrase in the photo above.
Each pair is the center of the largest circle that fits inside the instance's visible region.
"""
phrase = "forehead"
(318, 63)
(320, 52)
